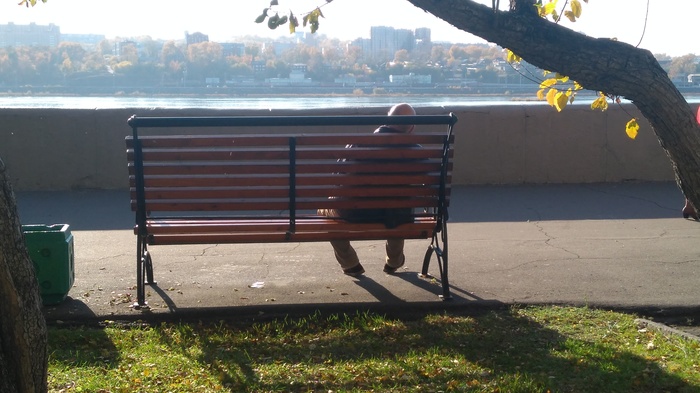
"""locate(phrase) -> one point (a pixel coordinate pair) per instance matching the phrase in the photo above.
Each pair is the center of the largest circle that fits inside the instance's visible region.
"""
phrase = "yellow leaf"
(570, 16)
(632, 128)
(540, 94)
(540, 10)
(561, 78)
(512, 57)
(555, 15)
(548, 83)
(560, 101)
(551, 96)
(578, 86)
(600, 103)
(293, 23)
(576, 8)
(550, 7)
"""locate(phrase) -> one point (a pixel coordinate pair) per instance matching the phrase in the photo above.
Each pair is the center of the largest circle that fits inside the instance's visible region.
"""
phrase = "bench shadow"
(169, 303)
(433, 284)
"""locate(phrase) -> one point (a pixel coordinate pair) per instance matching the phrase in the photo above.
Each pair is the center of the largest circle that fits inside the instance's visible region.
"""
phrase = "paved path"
(622, 246)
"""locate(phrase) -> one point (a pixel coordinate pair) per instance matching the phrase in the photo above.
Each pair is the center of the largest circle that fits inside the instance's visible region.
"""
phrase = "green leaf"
(261, 18)
(273, 22)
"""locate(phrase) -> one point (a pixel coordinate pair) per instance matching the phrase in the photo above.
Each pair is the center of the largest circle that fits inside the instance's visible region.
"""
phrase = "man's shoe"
(391, 270)
(355, 271)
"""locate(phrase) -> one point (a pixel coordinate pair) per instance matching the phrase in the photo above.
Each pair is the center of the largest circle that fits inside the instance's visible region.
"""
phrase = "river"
(271, 103)
(286, 102)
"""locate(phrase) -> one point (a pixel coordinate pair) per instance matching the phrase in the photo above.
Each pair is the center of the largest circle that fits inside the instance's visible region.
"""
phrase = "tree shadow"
(498, 349)
(81, 343)
(596, 201)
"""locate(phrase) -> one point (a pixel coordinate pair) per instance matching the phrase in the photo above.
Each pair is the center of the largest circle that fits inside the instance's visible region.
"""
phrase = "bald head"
(402, 110)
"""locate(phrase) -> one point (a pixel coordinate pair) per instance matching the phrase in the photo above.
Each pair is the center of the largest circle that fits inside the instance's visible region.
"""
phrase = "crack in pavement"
(550, 238)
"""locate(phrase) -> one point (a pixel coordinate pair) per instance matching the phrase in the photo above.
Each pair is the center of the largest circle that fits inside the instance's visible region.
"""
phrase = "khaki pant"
(347, 257)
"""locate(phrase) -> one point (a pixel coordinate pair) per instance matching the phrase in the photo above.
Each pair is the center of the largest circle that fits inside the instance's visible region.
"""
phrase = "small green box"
(51, 250)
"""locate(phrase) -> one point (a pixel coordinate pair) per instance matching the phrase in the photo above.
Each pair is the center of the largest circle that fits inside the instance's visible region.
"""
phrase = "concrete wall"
(55, 149)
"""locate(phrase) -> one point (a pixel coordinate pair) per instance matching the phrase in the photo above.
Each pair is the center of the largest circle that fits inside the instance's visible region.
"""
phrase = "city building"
(232, 49)
(384, 41)
(422, 34)
(30, 35)
(195, 38)
(88, 41)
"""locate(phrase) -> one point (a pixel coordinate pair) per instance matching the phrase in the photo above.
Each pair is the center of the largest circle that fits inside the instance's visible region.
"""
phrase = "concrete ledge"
(55, 149)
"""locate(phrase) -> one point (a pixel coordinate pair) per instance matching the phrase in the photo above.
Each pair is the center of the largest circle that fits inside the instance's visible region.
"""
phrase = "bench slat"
(272, 153)
(310, 180)
(266, 169)
(281, 237)
(307, 224)
(340, 139)
(269, 192)
(281, 204)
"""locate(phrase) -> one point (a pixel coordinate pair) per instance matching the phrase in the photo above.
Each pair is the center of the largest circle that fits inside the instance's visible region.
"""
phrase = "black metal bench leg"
(149, 269)
(144, 269)
(441, 256)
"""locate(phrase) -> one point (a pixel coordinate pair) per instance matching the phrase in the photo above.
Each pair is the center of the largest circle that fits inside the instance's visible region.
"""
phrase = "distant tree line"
(149, 63)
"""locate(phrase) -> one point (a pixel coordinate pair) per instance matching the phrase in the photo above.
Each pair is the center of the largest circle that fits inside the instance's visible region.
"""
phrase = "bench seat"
(270, 230)
(189, 185)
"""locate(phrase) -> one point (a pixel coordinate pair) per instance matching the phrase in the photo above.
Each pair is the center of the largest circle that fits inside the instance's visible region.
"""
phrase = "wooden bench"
(191, 186)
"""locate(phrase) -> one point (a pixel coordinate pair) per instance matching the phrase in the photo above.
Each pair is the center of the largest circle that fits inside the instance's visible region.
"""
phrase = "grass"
(524, 349)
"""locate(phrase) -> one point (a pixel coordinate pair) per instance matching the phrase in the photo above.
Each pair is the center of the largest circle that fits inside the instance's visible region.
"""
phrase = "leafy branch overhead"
(558, 90)
(274, 21)
(30, 2)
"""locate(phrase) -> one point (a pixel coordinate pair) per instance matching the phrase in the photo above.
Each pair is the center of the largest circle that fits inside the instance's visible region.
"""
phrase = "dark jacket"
(391, 218)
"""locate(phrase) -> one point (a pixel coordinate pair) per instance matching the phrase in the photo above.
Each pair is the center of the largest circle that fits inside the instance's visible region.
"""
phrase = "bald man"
(344, 252)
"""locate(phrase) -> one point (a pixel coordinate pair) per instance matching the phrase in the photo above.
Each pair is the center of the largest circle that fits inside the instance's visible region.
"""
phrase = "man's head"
(405, 110)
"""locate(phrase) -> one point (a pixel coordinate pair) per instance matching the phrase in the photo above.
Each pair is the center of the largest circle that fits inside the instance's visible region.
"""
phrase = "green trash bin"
(51, 250)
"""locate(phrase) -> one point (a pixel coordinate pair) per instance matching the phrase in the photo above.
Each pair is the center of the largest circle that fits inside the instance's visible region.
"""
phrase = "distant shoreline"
(254, 95)
(30, 100)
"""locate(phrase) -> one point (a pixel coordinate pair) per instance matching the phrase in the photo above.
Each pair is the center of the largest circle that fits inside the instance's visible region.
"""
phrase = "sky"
(668, 25)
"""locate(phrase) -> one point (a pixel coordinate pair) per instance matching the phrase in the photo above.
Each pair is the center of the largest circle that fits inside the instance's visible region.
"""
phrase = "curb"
(665, 329)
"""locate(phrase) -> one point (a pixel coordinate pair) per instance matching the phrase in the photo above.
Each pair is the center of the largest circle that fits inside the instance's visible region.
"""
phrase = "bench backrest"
(286, 174)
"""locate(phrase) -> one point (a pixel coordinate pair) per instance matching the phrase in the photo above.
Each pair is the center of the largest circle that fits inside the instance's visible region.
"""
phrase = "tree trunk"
(23, 342)
(601, 64)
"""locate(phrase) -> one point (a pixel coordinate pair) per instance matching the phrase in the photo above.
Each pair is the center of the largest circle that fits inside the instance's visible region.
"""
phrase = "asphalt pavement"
(615, 246)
